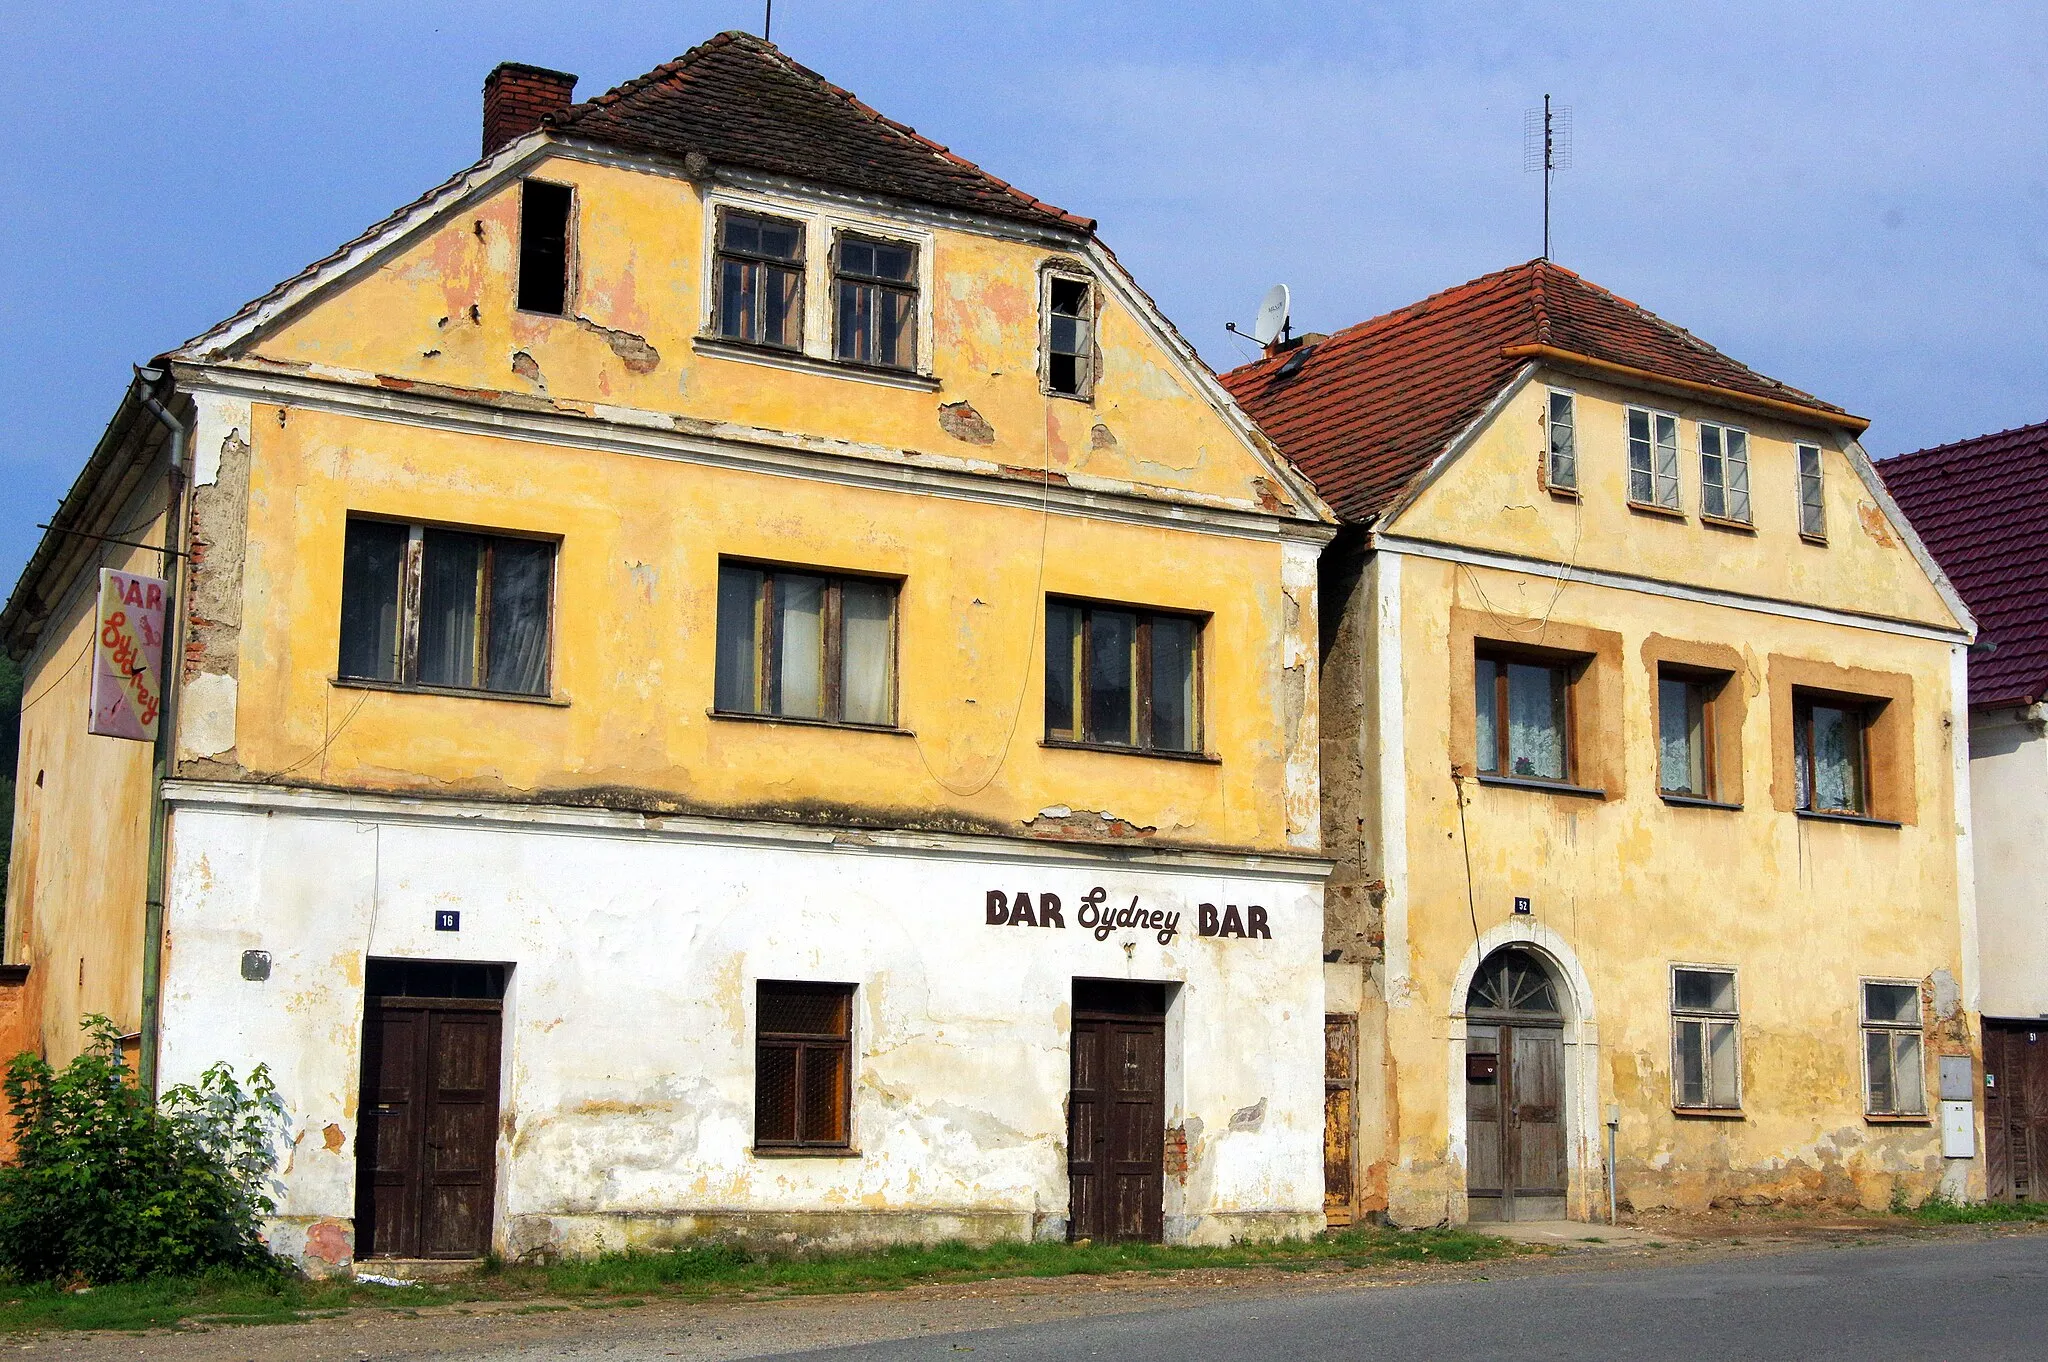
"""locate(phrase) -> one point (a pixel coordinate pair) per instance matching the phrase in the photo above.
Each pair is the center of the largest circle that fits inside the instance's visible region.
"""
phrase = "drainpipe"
(1613, 1125)
(174, 615)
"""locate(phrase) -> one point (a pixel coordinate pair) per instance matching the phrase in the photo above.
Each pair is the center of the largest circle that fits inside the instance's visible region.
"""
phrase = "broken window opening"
(875, 283)
(1813, 517)
(1706, 1062)
(803, 645)
(1894, 1067)
(1070, 336)
(803, 1070)
(1653, 459)
(446, 609)
(1562, 466)
(544, 247)
(1122, 678)
(760, 282)
(1524, 717)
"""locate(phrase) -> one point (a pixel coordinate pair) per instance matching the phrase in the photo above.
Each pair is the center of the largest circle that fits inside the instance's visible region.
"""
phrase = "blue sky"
(1850, 197)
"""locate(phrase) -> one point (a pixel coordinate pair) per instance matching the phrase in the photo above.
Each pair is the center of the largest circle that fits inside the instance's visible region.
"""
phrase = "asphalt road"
(1950, 1301)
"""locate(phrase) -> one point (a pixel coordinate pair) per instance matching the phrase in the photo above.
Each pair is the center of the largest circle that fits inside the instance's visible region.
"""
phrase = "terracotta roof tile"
(740, 101)
(1981, 508)
(1370, 407)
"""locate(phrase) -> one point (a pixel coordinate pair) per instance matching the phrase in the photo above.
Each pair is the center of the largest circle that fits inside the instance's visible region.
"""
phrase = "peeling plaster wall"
(2009, 808)
(628, 1088)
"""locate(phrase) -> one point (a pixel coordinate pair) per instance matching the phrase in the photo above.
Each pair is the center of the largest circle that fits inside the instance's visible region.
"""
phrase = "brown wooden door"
(2016, 1110)
(1340, 1118)
(426, 1140)
(1116, 1127)
(1514, 1121)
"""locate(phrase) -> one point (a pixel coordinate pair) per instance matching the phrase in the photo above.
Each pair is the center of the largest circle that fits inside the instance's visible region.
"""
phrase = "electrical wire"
(1465, 840)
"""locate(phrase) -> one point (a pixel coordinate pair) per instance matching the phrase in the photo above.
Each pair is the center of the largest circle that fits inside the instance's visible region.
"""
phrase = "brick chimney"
(516, 97)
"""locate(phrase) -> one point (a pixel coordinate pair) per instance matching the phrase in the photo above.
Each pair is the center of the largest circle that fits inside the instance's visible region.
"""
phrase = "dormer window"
(761, 280)
(1069, 336)
(874, 286)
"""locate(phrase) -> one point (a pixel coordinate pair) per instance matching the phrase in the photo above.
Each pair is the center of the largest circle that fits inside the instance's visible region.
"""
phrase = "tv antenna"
(767, 20)
(1547, 147)
(1275, 315)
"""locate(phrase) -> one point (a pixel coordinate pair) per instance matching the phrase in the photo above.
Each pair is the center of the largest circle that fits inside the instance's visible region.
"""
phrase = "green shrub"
(108, 1186)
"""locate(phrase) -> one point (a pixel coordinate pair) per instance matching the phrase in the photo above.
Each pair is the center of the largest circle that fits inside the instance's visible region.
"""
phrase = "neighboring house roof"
(741, 102)
(1368, 409)
(1981, 508)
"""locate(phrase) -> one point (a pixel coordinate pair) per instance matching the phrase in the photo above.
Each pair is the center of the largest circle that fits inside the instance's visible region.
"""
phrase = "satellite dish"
(1273, 315)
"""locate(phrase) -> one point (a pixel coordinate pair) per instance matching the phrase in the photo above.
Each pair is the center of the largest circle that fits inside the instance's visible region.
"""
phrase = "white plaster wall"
(628, 1092)
(2009, 809)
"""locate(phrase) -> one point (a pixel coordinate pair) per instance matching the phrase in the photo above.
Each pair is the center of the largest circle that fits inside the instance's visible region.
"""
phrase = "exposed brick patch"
(961, 421)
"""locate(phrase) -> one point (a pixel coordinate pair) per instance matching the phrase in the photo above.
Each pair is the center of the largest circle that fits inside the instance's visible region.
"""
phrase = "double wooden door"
(1514, 1121)
(1116, 1126)
(2016, 1110)
(426, 1143)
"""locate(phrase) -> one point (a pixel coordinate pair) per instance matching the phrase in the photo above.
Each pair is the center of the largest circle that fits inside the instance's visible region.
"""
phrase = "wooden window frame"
(1141, 680)
(720, 253)
(569, 251)
(1726, 516)
(1709, 684)
(1085, 390)
(1550, 428)
(1572, 666)
(912, 361)
(767, 661)
(1817, 532)
(1656, 505)
(1703, 1017)
(409, 593)
(802, 1043)
(1865, 709)
(1865, 1027)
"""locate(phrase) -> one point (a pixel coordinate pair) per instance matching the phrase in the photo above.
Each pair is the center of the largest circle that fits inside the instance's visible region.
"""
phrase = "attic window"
(760, 280)
(1070, 336)
(544, 247)
(1653, 459)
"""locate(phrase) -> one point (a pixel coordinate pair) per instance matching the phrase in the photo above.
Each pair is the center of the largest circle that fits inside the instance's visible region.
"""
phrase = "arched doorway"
(1515, 1143)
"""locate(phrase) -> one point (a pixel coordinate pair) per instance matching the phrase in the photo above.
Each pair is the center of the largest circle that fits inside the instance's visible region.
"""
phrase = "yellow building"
(735, 676)
(1643, 727)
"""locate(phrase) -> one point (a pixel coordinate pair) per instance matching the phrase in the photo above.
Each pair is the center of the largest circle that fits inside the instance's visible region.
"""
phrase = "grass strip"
(1939, 1210)
(700, 1271)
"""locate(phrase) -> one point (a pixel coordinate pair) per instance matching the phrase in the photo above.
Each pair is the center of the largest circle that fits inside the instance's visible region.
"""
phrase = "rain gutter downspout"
(159, 816)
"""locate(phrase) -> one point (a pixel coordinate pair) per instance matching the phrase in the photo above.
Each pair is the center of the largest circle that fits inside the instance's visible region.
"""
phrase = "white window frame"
(1866, 1027)
(1071, 273)
(1681, 1016)
(1658, 481)
(1728, 437)
(1550, 429)
(1817, 531)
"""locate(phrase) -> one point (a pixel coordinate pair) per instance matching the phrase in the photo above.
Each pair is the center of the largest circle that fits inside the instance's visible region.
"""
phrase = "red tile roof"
(1373, 405)
(1981, 508)
(740, 101)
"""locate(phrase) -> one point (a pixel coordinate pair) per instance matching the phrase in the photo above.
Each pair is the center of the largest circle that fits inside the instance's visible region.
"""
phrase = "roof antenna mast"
(768, 21)
(1547, 147)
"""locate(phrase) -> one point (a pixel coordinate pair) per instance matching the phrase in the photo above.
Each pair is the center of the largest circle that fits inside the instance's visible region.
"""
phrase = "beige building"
(1643, 719)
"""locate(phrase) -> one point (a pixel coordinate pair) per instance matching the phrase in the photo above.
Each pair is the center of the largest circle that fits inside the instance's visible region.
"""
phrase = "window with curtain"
(1563, 465)
(1813, 518)
(803, 1065)
(805, 645)
(1724, 472)
(1685, 733)
(1894, 1070)
(760, 281)
(1524, 712)
(1706, 1066)
(1652, 458)
(875, 288)
(1830, 754)
(1117, 677)
(481, 612)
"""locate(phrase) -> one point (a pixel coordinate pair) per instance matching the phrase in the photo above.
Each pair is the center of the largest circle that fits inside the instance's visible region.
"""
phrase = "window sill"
(1874, 1119)
(805, 1152)
(1856, 818)
(1086, 399)
(1819, 541)
(1722, 522)
(1710, 1113)
(1666, 512)
(718, 347)
(456, 692)
(798, 721)
(1562, 493)
(1199, 758)
(1547, 786)
(1685, 801)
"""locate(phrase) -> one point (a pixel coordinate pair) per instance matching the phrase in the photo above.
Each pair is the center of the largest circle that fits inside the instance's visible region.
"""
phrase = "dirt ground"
(558, 1329)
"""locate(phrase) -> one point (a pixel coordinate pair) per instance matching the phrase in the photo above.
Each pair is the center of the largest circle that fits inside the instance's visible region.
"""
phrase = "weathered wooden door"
(1116, 1113)
(1514, 1121)
(2016, 1110)
(427, 1137)
(1340, 1118)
